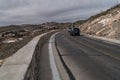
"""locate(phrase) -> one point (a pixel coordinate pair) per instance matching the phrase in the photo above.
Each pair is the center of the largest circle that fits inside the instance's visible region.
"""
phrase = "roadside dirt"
(9, 45)
(8, 49)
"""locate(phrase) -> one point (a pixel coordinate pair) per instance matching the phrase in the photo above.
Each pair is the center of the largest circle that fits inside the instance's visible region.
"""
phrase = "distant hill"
(105, 24)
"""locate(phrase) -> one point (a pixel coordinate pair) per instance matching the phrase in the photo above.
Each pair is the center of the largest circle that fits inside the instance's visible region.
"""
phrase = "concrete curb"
(53, 66)
(16, 66)
(32, 72)
(59, 64)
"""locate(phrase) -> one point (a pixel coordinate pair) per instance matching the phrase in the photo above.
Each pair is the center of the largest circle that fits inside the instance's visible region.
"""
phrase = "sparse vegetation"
(103, 13)
(25, 32)
(22, 34)
(105, 24)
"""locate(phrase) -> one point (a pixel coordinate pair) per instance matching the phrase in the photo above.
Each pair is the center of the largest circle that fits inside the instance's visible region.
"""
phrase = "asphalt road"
(87, 58)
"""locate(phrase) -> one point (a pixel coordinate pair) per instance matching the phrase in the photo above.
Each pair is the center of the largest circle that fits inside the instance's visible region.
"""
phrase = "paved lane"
(89, 59)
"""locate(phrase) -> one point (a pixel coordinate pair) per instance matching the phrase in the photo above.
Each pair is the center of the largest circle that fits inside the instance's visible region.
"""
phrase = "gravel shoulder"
(112, 41)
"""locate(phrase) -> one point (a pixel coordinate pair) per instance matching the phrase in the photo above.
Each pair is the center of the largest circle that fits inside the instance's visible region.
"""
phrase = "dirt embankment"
(105, 24)
(13, 39)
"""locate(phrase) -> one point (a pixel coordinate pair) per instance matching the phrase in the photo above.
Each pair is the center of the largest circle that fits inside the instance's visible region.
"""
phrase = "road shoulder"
(59, 64)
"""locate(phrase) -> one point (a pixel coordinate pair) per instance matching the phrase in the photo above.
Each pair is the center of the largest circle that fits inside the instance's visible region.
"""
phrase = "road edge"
(63, 74)
(107, 40)
(55, 73)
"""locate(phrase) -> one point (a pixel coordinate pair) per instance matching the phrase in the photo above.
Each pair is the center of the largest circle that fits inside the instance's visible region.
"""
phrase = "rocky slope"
(105, 24)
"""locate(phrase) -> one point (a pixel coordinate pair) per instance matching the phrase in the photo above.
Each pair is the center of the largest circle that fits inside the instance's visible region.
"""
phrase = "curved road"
(89, 58)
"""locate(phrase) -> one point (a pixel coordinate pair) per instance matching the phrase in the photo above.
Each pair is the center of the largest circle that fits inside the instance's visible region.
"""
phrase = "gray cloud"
(38, 11)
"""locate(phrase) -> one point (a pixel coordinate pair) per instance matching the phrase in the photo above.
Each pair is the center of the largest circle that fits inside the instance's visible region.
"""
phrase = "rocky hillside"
(105, 24)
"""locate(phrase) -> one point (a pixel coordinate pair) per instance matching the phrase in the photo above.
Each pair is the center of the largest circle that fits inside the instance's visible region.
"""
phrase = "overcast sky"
(39, 11)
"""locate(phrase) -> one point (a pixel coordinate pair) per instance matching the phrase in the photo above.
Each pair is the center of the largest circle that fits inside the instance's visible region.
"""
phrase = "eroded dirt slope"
(105, 24)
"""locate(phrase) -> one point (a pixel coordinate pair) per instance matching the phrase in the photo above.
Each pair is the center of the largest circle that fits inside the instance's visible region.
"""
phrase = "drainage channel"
(33, 72)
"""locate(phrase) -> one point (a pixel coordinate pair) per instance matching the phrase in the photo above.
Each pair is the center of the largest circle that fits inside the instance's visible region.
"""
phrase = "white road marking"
(55, 72)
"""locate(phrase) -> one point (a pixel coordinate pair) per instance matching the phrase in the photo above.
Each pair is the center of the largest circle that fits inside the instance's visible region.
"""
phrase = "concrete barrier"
(23, 65)
(33, 70)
